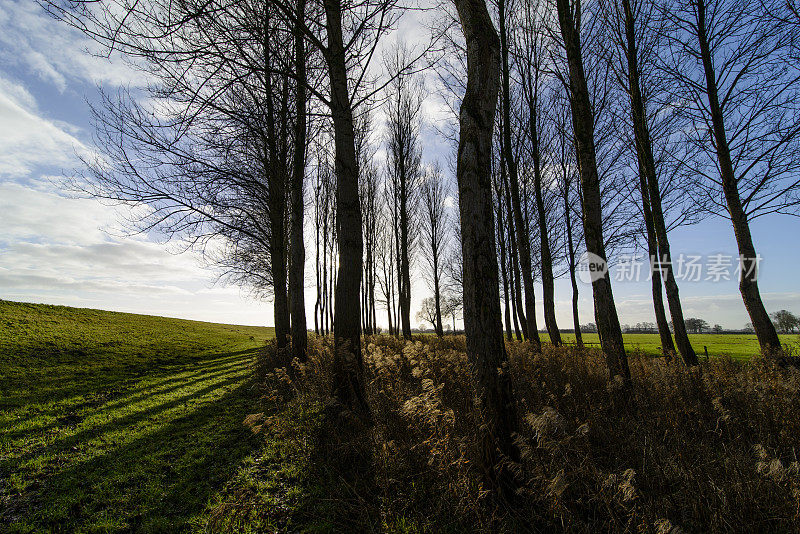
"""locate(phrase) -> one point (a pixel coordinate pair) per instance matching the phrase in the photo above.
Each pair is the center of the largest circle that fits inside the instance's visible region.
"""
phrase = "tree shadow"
(161, 480)
(119, 398)
(58, 382)
(62, 445)
(341, 486)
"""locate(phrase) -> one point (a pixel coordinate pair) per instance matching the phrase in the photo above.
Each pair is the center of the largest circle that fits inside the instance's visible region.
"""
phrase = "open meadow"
(735, 346)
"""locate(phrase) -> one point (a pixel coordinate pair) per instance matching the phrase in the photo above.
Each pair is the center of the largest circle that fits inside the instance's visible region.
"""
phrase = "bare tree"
(531, 54)
(485, 345)
(517, 303)
(434, 237)
(737, 88)
(351, 32)
(325, 242)
(522, 235)
(505, 271)
(564, 159)
(369, 191)
(431, 313)
(222, 136)
(569, 17)
(454, 266)
(385, 252)
(634, 71)
(297, 251)
(403, 110)
(348, 379)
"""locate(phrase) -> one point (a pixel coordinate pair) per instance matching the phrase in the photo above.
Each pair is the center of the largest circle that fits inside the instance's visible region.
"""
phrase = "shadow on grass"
(312, 473)
(134, 418)
(150, 469)
(56, 381)
(119, 399)
(341, 478)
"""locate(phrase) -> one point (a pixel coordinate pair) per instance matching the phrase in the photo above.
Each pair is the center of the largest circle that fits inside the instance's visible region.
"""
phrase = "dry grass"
(711, 449)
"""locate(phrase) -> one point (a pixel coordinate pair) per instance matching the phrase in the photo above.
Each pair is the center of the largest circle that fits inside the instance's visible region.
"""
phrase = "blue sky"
(63, 250)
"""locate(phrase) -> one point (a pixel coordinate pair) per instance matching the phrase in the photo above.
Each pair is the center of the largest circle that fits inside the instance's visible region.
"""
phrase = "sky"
(58, 248)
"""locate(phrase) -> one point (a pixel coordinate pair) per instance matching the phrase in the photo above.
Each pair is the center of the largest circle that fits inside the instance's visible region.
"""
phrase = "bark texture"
(348, 380)
(583, 124)
(485, 345)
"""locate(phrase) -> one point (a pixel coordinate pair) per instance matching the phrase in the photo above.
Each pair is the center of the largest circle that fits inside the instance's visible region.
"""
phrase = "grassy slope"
(118, 421)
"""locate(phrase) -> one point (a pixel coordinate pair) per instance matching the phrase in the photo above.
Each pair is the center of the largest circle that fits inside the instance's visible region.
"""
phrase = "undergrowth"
(705, 449)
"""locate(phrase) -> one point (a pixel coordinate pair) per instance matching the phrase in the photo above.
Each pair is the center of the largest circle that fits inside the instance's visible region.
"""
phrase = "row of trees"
(592, 124)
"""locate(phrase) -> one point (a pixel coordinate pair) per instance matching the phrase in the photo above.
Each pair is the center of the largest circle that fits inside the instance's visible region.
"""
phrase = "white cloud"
(17, 94)
(35, 211)
(28, 139)
(54, 51)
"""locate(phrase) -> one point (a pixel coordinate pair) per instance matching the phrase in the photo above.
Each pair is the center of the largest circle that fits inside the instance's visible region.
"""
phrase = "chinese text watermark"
(685, 268)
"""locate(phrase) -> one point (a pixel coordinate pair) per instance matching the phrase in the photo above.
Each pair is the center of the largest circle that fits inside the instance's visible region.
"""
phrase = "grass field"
(114, 421)
(737, 346)
(118, 422)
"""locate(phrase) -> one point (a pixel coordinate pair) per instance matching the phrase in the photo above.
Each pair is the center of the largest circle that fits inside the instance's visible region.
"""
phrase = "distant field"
(114, 421)
(737, 346)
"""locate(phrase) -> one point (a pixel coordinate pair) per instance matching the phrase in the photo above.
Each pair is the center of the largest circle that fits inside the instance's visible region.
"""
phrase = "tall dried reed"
(706, 449)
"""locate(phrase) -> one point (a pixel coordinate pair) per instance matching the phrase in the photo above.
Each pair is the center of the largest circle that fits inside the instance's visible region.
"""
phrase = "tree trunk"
(403, 260)
(389, 299)
(437, 295)
(277, 211)
(523, 239)
(317, 271)
(277, 245)
(298, 251)
(659, 251)
(513, 291)
(571, 252)
(515, 299)
(503, 266)
(667, 347)
(583, 124)
(405, 270)
(323, 307)
(520, 326)
(519, 315)
(748, 285)
(348, 379)
(548, 282)
(398, 312)
(374, 313)
(485, 346)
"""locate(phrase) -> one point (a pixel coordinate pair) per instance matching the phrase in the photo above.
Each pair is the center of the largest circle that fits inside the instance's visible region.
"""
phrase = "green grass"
(113, 421)
(737, 346)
